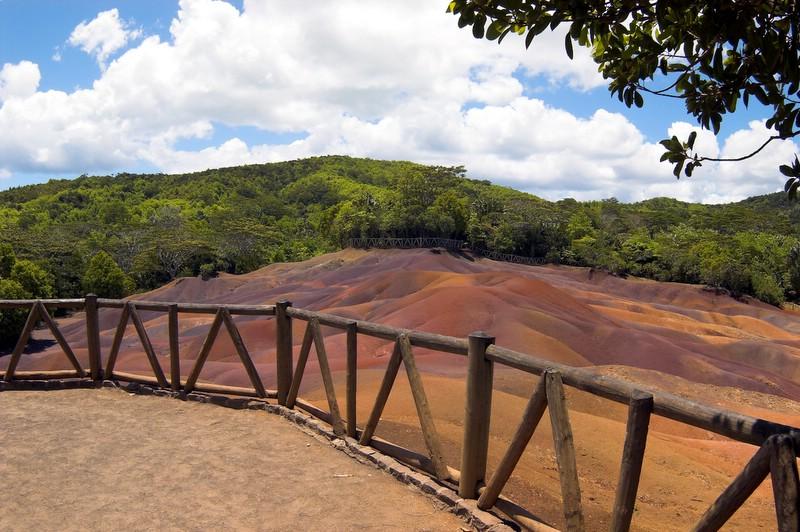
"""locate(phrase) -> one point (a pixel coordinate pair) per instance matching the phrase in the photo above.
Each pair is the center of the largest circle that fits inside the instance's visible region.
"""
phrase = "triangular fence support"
(39, 312)
(403, 353)
(223, 316)
(129, 313)
(549, 393)
(313, 335)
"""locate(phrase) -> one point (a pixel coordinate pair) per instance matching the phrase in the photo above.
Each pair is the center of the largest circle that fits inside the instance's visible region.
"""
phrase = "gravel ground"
(106, 459)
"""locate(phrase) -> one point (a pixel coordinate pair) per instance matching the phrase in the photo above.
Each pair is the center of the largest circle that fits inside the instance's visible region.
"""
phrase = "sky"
(101, 87)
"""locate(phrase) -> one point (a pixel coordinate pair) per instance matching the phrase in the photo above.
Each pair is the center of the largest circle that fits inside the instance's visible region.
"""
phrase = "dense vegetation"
(140, 231)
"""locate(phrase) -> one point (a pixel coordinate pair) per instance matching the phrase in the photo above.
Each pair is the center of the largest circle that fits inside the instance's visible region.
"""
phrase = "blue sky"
(100, 87)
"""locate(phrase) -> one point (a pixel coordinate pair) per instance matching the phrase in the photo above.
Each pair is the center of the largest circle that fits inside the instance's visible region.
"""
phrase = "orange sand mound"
(741, 355)
(565, 314)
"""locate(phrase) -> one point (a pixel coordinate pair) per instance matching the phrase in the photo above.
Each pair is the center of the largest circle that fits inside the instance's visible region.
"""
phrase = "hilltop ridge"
(234, 220)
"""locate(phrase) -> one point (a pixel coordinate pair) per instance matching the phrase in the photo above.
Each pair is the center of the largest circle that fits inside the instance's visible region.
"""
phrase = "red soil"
(741, 355)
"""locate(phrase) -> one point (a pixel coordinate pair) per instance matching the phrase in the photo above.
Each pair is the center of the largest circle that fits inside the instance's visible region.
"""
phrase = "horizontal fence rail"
(777, 443)
(408, 243)
(508, 257)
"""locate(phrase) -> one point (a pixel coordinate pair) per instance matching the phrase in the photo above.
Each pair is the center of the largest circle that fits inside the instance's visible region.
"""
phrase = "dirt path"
(104, 459)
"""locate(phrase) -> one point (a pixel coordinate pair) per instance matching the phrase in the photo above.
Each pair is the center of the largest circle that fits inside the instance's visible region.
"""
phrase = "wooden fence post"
(174, 349)
(565, 451)
(477, 414)
(352, 377)
(283, 353)
(640, 407)
(93, 337)
(783, 469)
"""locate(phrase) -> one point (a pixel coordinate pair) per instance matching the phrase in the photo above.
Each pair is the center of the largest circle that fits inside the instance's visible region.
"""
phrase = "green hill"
(157, 227)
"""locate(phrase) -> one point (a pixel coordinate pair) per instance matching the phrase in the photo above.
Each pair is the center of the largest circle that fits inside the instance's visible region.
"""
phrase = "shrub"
(7, 260)
(767, 289)
(207, 271)
(105, 278)
(12, 321)
(33, 278)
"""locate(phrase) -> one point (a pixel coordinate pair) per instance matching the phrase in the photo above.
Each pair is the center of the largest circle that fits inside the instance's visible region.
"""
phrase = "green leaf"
(477, 26)
(568, 46)
(495, 29)
(529, 38)
(677, 171)
(792, 192)
(692, 138)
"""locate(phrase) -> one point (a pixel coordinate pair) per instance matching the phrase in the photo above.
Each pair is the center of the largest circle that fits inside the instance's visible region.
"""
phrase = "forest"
(115, 235)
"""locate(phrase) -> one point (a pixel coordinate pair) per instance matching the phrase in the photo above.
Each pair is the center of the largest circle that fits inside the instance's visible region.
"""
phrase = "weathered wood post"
(283, 354)
(783, 469)
(352, 382)
(174, 349)
(477, 413)
(639, 409)
(93, 336)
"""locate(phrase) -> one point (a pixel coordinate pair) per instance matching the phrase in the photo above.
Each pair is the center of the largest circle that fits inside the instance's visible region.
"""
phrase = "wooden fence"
(407, 243)
(776, 444)
(446, 243)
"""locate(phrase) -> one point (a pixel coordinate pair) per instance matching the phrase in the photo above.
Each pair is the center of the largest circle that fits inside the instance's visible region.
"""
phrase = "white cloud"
(19, 80)
(419, 88)
(4, 174)
(102, 36)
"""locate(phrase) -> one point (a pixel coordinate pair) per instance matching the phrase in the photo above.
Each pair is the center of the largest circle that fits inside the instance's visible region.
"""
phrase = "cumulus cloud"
(102, 36)
(19, 80)
(419, 88)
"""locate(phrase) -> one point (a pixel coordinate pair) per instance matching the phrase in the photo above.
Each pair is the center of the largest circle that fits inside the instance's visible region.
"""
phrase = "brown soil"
(739, 355)
(104, 459)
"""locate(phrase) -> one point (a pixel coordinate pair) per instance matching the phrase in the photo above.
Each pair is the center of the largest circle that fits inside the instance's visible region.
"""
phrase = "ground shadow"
(460, 254)
(33, 346)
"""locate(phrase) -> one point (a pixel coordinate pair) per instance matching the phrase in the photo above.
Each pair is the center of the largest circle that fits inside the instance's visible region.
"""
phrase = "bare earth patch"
(103, 459)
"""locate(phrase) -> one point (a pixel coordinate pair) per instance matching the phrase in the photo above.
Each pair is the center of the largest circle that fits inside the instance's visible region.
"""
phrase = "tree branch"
(752, 154)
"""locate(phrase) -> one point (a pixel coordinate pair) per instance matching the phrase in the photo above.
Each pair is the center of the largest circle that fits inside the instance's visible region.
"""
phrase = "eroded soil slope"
(740, 355)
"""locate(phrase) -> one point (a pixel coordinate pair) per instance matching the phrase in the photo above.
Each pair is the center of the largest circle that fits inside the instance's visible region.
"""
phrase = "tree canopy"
(158, 227)
(711, 54)
(103, 277)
